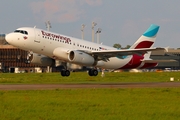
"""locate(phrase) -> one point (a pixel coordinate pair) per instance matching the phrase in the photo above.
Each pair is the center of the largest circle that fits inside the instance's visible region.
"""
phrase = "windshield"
(21, 31)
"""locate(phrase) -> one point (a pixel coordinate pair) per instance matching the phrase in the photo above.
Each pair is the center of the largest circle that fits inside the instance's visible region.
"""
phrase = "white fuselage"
(45, 42)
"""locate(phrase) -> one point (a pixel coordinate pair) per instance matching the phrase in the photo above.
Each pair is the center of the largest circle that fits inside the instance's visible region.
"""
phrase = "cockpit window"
(26, 32)
(17, 31)
(21, 31)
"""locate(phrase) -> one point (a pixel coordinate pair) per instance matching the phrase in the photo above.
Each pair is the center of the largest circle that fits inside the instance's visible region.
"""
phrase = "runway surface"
(76, 86)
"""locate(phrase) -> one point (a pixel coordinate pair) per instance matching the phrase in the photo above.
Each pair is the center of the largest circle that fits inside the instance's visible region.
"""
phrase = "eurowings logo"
(25, 37)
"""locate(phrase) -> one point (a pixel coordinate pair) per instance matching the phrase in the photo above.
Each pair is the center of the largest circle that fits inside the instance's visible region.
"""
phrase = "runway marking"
(98, 85)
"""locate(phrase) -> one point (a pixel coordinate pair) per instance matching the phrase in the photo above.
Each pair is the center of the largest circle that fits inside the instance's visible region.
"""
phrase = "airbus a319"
(45, 47)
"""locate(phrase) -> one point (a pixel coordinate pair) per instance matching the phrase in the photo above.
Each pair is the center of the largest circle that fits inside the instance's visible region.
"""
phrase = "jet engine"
(82, 58)
(41, 60)
(76, 57)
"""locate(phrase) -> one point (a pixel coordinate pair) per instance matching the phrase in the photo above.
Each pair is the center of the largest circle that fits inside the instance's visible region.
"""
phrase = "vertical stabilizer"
(147, 39)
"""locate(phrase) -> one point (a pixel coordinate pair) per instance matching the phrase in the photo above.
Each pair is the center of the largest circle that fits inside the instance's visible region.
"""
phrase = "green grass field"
(90, 104)
(82, 77)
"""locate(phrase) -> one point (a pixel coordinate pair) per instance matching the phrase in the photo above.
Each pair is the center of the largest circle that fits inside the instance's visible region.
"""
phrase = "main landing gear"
(65, 73)
(93, 72)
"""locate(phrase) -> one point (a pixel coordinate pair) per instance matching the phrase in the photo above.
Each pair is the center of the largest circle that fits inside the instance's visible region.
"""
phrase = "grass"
(91, 104)
(82, 77)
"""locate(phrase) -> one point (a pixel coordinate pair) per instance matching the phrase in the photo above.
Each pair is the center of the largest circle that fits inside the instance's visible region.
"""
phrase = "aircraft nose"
(9, 38)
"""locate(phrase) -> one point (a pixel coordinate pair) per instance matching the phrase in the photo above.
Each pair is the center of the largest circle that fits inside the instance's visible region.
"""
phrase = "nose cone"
(8, 38)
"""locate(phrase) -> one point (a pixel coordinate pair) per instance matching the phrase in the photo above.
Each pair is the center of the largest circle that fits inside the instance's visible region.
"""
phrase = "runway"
(95, 85)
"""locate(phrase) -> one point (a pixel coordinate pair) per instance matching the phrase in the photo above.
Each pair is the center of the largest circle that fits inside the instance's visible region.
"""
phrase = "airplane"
(45, 47)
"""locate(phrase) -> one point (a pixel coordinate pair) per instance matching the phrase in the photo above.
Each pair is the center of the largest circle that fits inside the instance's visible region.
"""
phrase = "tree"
(127, 47)
(118, 46)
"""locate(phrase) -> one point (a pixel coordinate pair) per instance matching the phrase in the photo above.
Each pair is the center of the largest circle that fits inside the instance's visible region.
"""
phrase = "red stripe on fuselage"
(136, 59)
(134, 62)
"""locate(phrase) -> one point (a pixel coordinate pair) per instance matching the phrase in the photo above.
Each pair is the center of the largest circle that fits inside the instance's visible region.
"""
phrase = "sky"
(121, 21)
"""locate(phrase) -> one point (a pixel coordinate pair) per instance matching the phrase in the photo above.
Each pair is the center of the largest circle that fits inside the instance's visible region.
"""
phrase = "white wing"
(106, 54)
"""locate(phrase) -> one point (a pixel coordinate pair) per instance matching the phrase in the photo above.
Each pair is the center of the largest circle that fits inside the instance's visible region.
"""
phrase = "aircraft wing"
(106, 54)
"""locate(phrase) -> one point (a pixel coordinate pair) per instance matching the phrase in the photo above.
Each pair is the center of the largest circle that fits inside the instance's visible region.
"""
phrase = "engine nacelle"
(61, 54)
(41, 60)
(76, 57)
(81, 58)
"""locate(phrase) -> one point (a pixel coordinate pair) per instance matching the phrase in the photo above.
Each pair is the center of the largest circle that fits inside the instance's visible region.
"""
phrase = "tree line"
(118, 46)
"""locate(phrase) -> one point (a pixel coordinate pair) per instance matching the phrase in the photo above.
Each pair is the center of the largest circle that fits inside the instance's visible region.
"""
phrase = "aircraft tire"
(93, 72)
(65, 73)
(90, 72)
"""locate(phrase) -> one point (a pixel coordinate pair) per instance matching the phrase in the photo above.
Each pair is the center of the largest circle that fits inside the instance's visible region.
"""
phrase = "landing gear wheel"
(90, 72)
(93, 72)
(65, 73)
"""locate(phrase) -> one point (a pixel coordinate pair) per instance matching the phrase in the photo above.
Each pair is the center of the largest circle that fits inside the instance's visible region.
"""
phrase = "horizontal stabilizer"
(158, 61)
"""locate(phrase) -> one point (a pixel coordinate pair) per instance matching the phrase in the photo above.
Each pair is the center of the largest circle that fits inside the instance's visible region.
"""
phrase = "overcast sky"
(121, 21)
